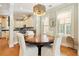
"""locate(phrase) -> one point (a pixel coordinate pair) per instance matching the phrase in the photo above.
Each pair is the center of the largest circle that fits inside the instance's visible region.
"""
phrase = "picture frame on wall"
(52, 22)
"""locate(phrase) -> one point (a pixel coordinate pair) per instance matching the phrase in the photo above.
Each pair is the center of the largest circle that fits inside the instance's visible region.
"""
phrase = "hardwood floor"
(6, 51)
(68, 51)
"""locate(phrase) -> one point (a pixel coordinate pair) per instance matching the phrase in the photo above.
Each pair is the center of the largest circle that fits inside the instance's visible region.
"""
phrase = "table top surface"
(38, 42)
(32, 40)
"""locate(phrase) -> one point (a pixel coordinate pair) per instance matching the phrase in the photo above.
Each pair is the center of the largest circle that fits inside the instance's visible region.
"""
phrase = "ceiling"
(23, 8)
(4, 8)
(28, 7)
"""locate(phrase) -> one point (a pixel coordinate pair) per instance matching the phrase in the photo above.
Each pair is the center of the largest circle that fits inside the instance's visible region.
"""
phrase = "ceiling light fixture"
(39, 10)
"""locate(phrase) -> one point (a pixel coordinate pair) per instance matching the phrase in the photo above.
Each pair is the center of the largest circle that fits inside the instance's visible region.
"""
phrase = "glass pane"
(68, 28)
(62, 28)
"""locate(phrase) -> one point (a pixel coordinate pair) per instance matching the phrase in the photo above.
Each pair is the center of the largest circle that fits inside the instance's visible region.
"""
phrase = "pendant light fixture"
(39, 10)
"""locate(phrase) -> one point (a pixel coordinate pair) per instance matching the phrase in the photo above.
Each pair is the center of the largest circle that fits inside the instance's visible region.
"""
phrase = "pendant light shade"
(39, 10)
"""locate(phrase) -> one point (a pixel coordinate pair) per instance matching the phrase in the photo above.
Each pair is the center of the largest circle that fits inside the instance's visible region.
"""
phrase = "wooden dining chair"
(24, 49)
(68, 41)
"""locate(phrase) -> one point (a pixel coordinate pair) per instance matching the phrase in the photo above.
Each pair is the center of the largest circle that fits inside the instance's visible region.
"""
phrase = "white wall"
(76, 25)
(74, 16)
(51, 16)
(78, 29)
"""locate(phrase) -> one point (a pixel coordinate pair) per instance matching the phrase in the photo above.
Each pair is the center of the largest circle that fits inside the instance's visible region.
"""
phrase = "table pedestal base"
(39, 50)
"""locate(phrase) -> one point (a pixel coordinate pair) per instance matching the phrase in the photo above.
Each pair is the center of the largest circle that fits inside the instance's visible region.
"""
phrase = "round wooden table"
(39, 45)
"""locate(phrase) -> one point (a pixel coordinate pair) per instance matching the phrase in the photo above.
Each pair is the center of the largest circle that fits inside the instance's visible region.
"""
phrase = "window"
(64, 22)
